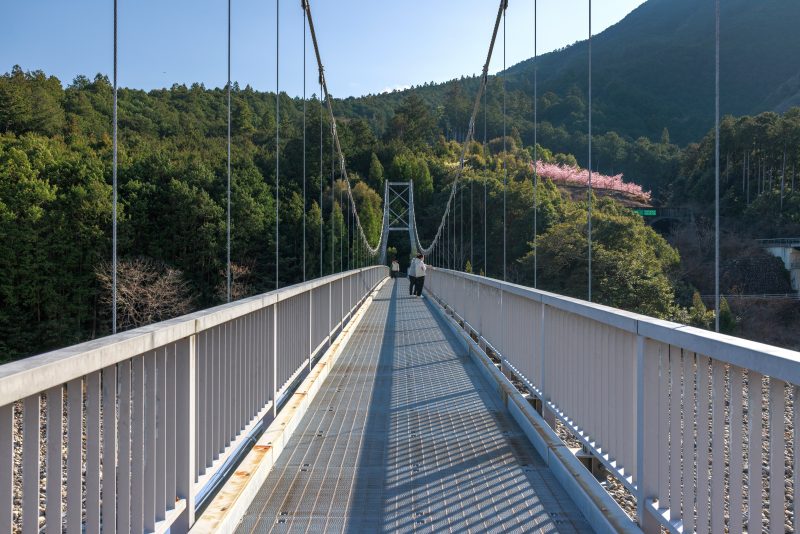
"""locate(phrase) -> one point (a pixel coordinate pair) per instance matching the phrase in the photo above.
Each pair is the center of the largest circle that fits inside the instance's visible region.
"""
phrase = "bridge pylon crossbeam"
(399, 213)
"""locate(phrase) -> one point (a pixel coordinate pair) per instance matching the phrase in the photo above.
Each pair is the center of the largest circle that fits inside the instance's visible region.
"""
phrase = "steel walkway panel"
(404, 436)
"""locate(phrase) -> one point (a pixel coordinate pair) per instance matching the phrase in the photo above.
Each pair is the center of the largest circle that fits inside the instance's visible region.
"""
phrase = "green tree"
(727, 320)
(630, 262)
(409, 167)
(375, 173)
(413, 123)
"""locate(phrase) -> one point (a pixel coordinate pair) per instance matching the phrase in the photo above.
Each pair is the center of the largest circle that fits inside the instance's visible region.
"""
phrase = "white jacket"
(417, 268)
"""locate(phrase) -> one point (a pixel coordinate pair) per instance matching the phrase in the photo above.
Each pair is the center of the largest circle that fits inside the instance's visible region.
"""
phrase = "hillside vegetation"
(55, 205)
(652, 143)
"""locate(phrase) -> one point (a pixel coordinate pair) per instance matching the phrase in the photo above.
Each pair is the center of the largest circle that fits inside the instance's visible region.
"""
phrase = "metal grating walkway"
(403, 436)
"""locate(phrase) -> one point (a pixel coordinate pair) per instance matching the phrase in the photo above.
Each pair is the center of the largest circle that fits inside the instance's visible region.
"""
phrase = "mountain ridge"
(654, 69)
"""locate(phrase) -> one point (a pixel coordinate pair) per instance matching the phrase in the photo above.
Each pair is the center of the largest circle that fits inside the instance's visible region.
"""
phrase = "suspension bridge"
(343, 403)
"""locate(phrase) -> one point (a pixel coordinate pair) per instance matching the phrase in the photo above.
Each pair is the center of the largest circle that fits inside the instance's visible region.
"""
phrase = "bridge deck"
(405, 436)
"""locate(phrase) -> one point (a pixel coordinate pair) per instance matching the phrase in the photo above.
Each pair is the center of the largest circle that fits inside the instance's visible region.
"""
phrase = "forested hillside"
(55, 200)
(55, 204)
(653, 81)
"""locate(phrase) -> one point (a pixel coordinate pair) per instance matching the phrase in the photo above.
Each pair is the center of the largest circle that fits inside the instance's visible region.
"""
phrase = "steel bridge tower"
(398, 214)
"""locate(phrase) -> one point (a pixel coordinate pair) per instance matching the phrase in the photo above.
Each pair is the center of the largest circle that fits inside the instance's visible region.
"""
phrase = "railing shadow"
(439, 453)
(370, 471)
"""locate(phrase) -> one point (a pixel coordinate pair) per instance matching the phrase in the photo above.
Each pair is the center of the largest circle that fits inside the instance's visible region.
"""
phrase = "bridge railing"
(780, 242)
(119, 434)
(700, 427)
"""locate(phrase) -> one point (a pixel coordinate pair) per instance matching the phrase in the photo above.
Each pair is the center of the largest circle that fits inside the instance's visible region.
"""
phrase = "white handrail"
(169, 402)
(661, 404)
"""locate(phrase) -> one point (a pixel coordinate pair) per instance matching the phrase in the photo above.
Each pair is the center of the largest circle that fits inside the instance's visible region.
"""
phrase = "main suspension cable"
(470, 131)
(335, 136)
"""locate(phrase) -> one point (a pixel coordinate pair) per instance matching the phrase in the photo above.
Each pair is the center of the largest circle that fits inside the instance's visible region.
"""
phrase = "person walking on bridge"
(395, 268)
(416, 272)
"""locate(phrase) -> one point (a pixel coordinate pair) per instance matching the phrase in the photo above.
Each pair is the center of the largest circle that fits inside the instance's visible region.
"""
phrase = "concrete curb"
(231, 503)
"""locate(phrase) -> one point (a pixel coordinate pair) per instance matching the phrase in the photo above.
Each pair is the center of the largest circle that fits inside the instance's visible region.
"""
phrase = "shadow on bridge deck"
(405, 436)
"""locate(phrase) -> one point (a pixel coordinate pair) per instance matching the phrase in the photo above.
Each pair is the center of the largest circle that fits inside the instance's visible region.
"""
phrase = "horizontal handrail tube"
(766, 359)
(171, 402)
(35, 374)
(669, 408)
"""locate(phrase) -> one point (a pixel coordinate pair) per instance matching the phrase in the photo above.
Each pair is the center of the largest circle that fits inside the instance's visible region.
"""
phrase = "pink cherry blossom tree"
(567, 174)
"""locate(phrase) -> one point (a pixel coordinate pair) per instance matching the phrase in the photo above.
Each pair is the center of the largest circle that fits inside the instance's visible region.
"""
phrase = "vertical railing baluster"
(675, 432)
(110, 425)
(310, 326)
(230, 397)
(55, 457)
(242, 412)
(718, 447)
(216, 377)
(687, 438)
(282, 309)
(274, 355)
(6, 467)
(796, 447)
(203, 406)
(610, 386)
(777, 456)
(259, 355)
(185, 360)
(124, 457)
(93, 453)
(754, 482)
(249, 358)
(237, 412)
(736, 451)
(74, 446)
(543, 336)
(628, 357)
(170, 423)
(30, 464)
(202, 400)
(648, 430)
(245, 413)
(617, 387)
(703, 439)
(663, 428)
(137, 443)
(330, 314)
(224, 377)
(161, 434)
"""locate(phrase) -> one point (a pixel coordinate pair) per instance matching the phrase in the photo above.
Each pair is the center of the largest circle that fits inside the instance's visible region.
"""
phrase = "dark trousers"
(419, 281)
(412, 281)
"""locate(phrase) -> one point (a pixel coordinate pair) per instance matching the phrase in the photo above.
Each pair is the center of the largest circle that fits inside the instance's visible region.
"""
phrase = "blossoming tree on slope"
(567, 174)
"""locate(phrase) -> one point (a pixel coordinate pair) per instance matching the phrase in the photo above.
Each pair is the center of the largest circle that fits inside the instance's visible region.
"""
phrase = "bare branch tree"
(240, 282)
(148, 291)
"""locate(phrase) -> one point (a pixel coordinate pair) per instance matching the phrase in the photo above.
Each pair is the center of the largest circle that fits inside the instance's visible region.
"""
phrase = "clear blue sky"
(368, 46)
